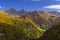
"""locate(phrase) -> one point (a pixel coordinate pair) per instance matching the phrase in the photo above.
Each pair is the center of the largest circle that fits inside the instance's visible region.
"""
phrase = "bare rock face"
(11, 11)
(43, 19)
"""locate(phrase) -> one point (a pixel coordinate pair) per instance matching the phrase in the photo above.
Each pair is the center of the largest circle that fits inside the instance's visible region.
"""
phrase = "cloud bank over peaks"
(52, 7)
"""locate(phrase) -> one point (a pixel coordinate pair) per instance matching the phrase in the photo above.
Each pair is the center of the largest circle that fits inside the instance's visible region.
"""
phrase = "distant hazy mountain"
(14, 12)
(22, 12)
(55, 12)
(11, 11)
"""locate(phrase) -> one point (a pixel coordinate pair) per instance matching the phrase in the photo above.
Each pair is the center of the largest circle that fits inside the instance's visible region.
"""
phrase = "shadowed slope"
(52, 33)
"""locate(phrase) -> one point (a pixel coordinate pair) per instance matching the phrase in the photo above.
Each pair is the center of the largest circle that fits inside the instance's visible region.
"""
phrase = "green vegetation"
(52, 34)
(18, 29)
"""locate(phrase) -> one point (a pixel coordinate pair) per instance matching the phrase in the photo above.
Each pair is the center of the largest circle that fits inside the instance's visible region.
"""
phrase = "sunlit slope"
(18, 28)
(35, 25)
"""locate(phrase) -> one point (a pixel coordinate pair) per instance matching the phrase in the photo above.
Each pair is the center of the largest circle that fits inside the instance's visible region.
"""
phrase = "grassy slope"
(52, 34)
(24, 29)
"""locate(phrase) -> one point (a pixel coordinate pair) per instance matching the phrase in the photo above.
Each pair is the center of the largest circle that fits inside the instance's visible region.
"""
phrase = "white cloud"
(0, 7)
(52, 7)
(35, 0)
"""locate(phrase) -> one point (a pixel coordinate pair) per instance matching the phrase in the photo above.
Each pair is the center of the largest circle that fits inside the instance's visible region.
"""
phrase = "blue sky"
(30, 5)
(6, 4)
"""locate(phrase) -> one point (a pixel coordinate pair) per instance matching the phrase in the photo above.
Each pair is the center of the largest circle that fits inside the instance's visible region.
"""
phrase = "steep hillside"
(52, 34)
(18, 29)
(57, 20)
(43, 19)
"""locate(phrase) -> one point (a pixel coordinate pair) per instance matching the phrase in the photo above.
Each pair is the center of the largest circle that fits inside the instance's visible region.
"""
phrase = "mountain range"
(43, 19)
(24, 25)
